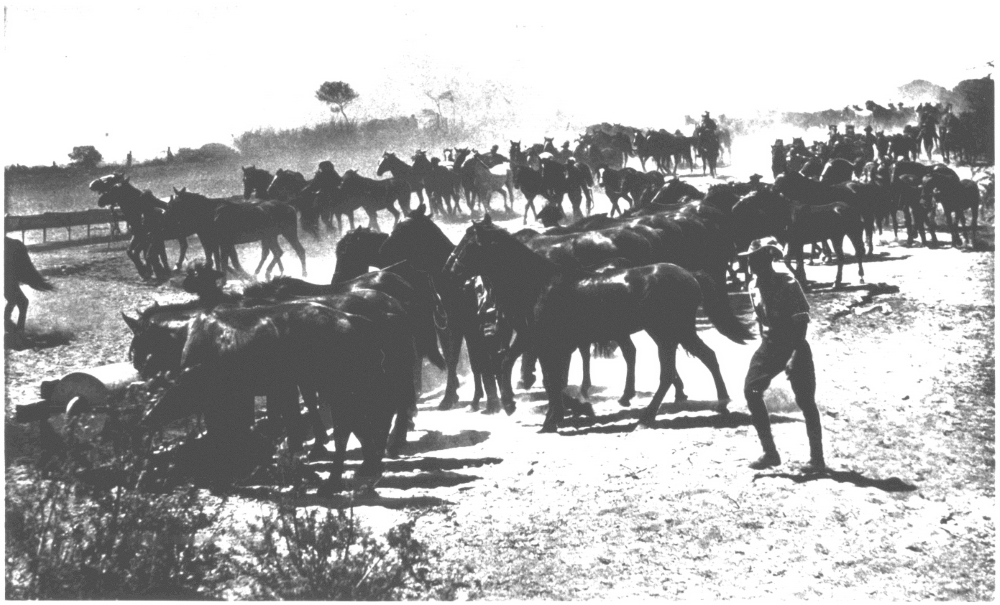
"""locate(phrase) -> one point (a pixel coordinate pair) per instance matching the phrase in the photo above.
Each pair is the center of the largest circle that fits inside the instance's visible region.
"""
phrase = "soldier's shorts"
(788, 351)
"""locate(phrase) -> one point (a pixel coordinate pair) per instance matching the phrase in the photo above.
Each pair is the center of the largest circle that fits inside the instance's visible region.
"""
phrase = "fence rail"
(67, 220)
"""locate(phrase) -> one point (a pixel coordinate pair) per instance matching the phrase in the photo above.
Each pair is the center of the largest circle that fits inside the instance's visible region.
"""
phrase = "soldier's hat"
(868, 128)
(754, 178)
(764, 244)
(326, 165)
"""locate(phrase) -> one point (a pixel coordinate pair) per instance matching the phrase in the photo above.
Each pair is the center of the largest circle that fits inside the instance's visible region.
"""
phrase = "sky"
(142, 76)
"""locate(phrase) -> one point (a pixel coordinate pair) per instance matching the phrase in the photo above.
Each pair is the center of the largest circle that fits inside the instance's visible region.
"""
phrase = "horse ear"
(487, 220)
(133, 324)
(175, 191)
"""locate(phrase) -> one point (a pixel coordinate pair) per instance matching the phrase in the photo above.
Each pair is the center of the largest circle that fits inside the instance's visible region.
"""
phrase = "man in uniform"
(494, 157)
(783, 317)
(708, 124)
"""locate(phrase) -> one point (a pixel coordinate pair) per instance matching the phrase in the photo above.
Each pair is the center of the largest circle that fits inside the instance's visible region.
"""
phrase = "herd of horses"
(356, 345)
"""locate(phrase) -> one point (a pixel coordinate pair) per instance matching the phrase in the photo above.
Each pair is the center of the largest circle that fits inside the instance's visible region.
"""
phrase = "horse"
(285, 186)
(143, 213)
(221, 223)
(558, 311)
(256, 182)
(18, 269)
(416, 238)
(159, 332)
(338, 349)
(400, 170)
(481, 182)
(529, 182)
(800, 189)
(955, 196)
(576, 248)
(292, 188)
(839, 170)
(615, 187)
(441, 183)
(357, 191)
(708, 149)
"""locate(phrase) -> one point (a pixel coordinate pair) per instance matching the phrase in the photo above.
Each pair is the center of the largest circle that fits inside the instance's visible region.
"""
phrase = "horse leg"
(628, 352)
(373, 220)
(265, 247)
(15, 298)
(667, 351)
(530, 204)
(134, 252)
(451, 340)
(614, 206)
(341, 434)
(277, 252)
(956, 238)
(517, 348)
(320, 437)
(528, 361)
(696, 346)
(555, 369)
(292, 237)
(182, 243)
(585, 384)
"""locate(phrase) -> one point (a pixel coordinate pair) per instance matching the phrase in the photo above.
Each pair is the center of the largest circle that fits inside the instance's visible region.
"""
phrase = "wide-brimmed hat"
(764, 243)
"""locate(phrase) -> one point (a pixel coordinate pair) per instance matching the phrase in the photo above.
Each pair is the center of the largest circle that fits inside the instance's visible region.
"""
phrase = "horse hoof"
(490, 410)
(641, 426)
(548, 428)
(680, 398)
(509, 407)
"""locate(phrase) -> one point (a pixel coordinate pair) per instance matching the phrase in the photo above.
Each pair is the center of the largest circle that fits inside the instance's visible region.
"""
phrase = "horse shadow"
(884, 257)
(436, 440)
(34, 338)
(831, 288)
(892, 484)
(611, 424)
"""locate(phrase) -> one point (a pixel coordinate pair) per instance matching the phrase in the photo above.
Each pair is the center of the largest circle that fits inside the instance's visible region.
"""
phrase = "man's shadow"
(892, 484)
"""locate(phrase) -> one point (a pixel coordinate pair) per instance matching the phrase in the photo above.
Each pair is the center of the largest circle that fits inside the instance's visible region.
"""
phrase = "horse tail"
(716, 305)
(19, 264)
(605, 350)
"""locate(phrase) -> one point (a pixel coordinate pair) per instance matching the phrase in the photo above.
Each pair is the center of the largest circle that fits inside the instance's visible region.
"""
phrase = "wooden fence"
(68, 220)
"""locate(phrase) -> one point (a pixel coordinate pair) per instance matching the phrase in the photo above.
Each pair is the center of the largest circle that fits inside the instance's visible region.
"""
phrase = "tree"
(86, 156)
(444, 96)
(338, 95)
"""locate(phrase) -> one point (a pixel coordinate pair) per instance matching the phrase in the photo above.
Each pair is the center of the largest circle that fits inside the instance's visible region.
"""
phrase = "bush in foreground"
(78, 529)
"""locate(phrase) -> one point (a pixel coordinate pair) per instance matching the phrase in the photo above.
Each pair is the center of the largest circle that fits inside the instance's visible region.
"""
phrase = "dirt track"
(907, 401)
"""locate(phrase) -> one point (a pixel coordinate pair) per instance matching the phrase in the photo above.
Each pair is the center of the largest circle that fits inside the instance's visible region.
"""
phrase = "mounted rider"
(708, 125)
(325, 181)
(494, 157)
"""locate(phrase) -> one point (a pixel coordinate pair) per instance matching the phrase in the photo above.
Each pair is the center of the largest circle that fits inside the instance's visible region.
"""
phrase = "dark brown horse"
(18, 269)
(559, 312)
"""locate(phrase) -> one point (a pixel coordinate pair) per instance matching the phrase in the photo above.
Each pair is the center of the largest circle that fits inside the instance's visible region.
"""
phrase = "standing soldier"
(783, 317)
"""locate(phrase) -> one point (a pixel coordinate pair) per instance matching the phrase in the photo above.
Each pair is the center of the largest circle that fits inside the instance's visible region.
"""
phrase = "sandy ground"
(906, 393)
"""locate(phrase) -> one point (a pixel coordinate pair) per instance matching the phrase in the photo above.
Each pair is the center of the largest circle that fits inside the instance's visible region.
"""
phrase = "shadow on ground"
(892, 484)
(36, 339)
